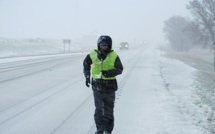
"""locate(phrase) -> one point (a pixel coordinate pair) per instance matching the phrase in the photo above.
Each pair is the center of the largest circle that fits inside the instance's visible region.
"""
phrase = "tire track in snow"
(24, 66)
(78, 109)
(34, 102)
(132, 61)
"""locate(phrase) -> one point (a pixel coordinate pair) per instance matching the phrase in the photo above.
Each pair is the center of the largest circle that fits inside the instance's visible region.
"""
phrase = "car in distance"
(123, 45)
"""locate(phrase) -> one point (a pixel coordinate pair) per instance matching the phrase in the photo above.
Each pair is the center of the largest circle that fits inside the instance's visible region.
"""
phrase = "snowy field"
(47, 95)
(204, 85)
(19, 48)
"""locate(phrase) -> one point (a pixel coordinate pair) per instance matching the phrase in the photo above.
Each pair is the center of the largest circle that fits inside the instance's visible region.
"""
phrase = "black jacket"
(103, 85)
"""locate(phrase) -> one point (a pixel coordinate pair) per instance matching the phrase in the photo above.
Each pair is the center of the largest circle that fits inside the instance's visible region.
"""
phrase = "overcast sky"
(121, 19)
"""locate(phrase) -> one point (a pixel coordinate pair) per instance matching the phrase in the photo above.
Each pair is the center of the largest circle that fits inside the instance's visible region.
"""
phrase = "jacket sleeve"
(114, 72)
(87, 66)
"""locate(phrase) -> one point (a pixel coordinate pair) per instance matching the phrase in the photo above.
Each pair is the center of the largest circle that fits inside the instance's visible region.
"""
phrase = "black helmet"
(106, 39)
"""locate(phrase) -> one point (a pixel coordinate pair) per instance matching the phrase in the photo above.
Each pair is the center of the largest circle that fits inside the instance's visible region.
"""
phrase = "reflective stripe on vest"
(98, 66)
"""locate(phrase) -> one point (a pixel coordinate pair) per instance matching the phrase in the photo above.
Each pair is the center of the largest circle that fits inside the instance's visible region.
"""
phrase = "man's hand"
(105, 73)
(87, 81)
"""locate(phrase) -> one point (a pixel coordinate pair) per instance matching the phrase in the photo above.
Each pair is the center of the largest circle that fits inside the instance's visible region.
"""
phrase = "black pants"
(104, 103)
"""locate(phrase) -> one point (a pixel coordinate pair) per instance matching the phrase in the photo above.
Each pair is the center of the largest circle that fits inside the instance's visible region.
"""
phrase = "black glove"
(87, 81)
(105, 73)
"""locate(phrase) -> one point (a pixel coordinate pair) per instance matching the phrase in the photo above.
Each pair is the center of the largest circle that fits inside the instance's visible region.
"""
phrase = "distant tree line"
(185, 34)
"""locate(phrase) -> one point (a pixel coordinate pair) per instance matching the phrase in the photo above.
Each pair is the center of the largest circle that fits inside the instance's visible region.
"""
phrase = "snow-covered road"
(55, 99)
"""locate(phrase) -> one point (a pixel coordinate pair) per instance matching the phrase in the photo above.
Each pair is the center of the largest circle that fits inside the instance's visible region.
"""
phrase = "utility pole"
(214, 61)
(161, 50)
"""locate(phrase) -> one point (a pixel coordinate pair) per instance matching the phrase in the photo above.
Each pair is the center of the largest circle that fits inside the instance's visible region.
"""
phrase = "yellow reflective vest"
(98, 65)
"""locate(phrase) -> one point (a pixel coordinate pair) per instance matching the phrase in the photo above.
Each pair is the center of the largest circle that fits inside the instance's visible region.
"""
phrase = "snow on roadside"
(182, 86)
